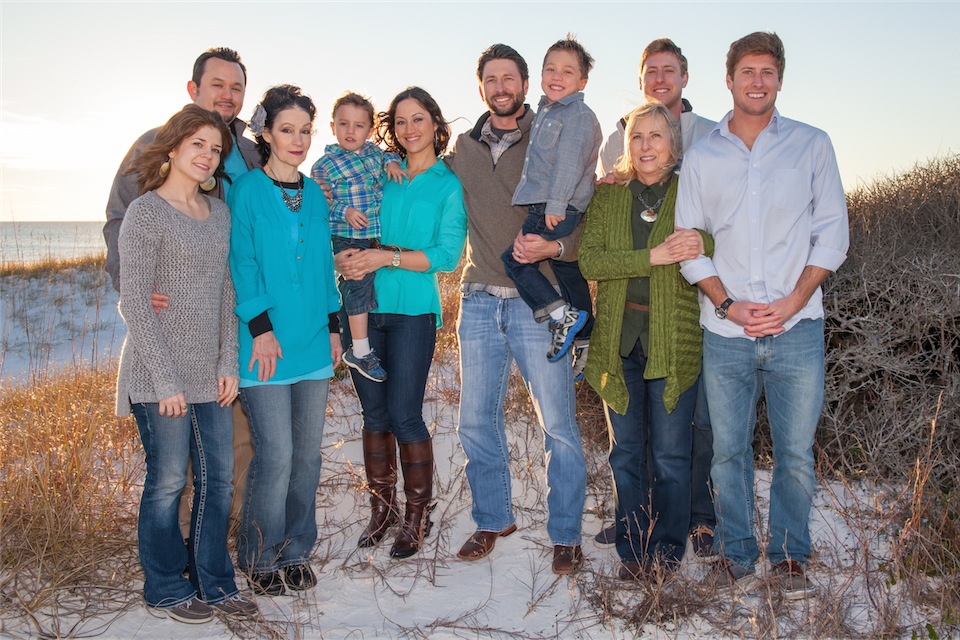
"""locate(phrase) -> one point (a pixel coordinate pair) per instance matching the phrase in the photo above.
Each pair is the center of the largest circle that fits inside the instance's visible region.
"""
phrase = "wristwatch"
(721, 311)
(396, 259)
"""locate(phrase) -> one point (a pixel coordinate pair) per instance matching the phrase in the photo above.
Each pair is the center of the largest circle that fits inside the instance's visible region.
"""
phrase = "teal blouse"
(282, 263)
(427, 214)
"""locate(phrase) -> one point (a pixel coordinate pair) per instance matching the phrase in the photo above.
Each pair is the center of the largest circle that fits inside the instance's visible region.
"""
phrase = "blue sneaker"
(564, 331)
(368, 366)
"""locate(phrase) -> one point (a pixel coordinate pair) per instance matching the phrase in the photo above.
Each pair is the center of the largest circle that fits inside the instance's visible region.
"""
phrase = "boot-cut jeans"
(789, 369)
(494, 332)
(204, 436)
(651, 495)
(279, 521)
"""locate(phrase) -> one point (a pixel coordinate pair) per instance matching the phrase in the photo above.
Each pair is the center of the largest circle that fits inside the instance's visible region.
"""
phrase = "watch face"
(721, 313)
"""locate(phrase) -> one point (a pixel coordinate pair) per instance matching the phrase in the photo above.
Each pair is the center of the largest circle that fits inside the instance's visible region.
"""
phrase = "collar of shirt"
(723, 128)
(573, 97)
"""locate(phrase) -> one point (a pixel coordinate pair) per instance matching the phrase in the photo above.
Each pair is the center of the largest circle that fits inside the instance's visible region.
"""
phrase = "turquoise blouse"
(426, 213)
(282, 263)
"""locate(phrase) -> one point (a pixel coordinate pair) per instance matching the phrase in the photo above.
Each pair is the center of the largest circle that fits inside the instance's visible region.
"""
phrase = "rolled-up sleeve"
(830, 229)
(689, 215)
(445, 255)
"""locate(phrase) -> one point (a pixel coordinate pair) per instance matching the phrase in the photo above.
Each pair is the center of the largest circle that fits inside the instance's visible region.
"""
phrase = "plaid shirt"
(356, 180)
(499, 144)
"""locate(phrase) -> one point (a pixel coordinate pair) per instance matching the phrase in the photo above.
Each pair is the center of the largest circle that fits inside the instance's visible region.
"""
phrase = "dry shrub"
(67, 503)
(893, 328)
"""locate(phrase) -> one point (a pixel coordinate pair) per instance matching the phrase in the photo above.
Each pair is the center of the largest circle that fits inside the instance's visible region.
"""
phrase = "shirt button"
(754, 193)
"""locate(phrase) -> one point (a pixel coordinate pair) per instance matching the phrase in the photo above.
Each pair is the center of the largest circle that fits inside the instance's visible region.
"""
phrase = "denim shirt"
(559, 166)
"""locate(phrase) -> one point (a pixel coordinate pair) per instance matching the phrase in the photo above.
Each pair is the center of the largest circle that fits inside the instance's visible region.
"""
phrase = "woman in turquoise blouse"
(424, 226)
(282, 270)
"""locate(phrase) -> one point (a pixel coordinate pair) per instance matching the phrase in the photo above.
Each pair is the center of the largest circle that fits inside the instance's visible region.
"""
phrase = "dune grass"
(48, 266)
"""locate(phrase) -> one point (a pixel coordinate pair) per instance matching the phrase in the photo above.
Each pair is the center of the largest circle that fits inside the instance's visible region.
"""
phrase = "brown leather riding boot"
(380, 460)
(416, 460)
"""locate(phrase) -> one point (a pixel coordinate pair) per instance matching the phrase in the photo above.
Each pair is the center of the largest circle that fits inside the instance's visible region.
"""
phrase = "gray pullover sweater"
(190, 344)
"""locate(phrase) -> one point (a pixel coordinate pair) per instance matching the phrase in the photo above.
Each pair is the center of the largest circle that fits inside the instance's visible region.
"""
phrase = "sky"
(80, 81)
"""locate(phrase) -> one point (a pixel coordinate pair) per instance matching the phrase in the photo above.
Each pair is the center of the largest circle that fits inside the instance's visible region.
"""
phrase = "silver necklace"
(293, 203)
(650, 213)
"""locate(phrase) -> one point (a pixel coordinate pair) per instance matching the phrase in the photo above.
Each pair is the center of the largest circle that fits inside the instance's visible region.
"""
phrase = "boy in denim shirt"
(557, 184)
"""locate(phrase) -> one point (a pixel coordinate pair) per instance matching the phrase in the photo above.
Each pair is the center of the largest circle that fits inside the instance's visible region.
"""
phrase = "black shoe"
(267, 584)
(607, 537)
(300, 577)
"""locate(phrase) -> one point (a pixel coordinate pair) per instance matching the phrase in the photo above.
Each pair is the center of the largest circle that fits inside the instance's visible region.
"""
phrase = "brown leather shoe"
(566, 560)
(481, 543)
(631, 571)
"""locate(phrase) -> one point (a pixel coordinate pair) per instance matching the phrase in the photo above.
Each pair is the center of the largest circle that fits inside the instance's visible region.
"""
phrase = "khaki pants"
(242, 454)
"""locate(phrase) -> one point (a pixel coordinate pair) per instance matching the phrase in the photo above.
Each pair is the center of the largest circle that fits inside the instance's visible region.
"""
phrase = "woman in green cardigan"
(646, 347)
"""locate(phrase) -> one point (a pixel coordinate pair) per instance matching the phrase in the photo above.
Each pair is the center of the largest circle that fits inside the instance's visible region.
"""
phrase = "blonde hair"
(623, 171)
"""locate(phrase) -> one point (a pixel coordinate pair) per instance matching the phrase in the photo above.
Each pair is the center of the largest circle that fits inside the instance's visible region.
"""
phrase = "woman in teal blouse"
(424, 226)
(282, 270)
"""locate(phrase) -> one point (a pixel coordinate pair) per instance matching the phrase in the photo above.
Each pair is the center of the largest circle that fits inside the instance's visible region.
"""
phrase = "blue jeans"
(789, 369)
(701, 497)
(205, 437)
(405, 347)
(278, 527)
(492, 332)
(534, 287)
(652, 501)
(359, 296)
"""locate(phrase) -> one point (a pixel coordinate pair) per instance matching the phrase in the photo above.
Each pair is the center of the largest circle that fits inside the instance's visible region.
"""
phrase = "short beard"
(514, 106)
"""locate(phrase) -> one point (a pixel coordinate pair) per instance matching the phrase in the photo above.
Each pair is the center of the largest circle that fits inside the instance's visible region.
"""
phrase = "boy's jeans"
(534, 287)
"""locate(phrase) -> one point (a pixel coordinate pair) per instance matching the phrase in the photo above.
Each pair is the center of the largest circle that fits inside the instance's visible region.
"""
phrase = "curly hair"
(386, 128)
(277, 99)
(178, 128)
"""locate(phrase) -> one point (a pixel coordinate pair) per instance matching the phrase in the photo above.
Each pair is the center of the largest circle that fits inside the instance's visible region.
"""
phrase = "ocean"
(31, 241)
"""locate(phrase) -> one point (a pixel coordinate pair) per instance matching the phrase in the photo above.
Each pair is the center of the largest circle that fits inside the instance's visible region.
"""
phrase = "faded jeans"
(789, 369)
(493, 332)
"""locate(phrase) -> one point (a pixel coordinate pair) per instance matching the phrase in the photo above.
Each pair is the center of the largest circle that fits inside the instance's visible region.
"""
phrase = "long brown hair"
(181, 126)
(386, 122)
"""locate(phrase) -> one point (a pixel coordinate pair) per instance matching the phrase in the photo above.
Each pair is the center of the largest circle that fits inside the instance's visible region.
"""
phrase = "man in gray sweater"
(219, 83)
(496, 326)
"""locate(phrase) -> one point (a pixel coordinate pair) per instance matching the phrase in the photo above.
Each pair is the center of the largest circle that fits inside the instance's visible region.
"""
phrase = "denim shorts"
(358, 296)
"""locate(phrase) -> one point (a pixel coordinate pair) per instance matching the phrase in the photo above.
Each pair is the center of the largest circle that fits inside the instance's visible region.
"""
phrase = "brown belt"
(390, 247)
(636, 307)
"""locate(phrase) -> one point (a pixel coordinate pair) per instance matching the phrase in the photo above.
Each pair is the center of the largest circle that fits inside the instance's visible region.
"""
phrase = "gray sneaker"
(238, 605)
(564, 331)
(193, 611)
(580, 353)
(792, 580)
(607, 536)
(728, 578)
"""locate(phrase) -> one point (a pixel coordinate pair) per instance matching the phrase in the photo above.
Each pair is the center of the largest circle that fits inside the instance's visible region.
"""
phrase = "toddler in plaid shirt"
(354, 170)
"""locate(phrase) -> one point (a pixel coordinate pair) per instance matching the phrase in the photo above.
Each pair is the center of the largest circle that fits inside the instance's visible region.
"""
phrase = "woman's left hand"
(336, 349)
(354, 264)
(227, 389)
(682, 244)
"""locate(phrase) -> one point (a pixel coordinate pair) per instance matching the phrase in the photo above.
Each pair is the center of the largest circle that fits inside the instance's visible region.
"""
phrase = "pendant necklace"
(292, 203)
(650, 213)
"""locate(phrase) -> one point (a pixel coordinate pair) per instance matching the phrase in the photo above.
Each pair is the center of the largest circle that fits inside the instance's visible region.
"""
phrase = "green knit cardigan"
(607, 256)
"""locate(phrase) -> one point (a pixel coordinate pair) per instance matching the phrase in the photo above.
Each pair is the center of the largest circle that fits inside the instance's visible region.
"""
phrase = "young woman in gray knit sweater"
(178, 371)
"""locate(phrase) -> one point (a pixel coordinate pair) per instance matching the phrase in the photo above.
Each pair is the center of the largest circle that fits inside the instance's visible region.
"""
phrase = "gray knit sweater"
(188, 345)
